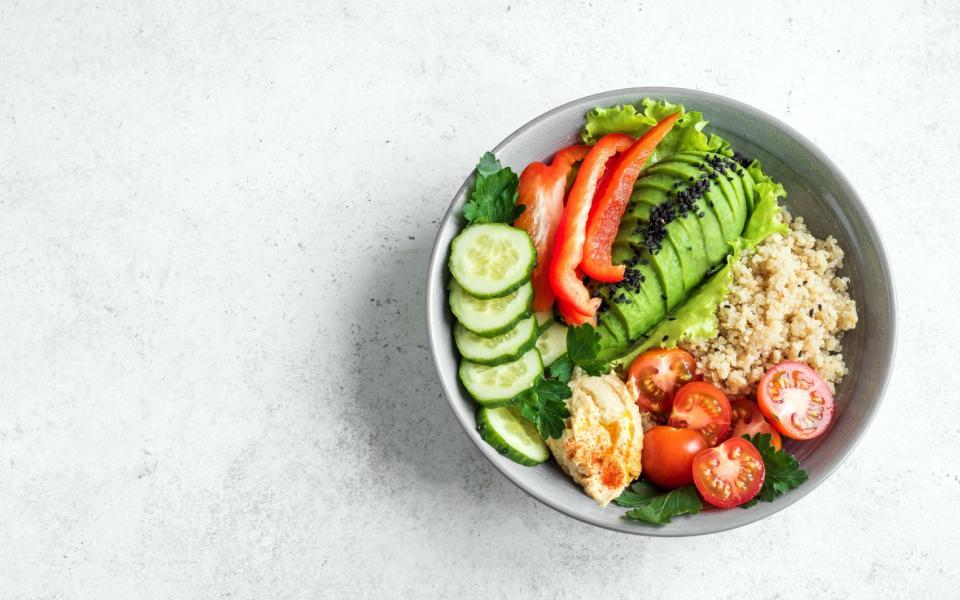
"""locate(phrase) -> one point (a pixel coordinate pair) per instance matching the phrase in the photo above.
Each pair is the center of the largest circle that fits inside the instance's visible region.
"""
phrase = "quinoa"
(786, 303)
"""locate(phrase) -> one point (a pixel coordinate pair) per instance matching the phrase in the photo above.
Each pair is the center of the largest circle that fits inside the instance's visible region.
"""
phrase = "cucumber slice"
(544, 319)
(501, 384)
(511, 435)
(552, 343)
(498, 349)
(491, 259)
(491, 316)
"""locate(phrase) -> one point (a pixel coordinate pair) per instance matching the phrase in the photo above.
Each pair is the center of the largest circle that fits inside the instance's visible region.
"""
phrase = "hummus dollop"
(603, 437)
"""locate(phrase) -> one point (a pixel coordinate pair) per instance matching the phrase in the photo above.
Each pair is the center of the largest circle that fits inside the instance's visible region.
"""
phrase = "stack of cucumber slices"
(504, 346)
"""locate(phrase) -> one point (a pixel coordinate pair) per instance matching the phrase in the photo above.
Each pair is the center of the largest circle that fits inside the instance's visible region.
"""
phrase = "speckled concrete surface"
(214, 227)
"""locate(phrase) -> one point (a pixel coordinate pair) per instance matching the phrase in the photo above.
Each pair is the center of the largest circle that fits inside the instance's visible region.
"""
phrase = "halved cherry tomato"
(795, 400)
(541, 191)
(704, 407)
(657, 374)
(730, 474)
(668, 453)
(746, 419)
(608, 207)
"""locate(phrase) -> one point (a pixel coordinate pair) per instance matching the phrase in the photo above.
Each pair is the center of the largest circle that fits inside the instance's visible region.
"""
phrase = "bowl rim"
(435, 328)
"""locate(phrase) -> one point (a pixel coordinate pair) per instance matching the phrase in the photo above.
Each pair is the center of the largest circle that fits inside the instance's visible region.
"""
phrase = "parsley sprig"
(494, 196)
(650, 505)
(583, 345)
(561, 369)
(545, 407)
(783, 471)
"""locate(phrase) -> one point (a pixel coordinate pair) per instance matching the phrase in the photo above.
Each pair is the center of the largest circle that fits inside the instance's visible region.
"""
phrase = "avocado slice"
(666, 263)
(715, 242)
(622, 251)
(737, 203)
(638, 211)
(649, 196)
(736, 182)
(612, 336)
(615, 310)
(627, 312)
(657, 181)
(698, 256)
(717, 203)
(689, 264)
(643, 305)
(732, 212)
(749, 190)
(614, 329)
(692, 164)
(650, 288)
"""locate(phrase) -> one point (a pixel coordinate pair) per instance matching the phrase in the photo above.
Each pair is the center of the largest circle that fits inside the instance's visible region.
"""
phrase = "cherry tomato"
(704, 407)
(795, 400)
(729, 474)
(657, 374)
(668, 453)
(746, 418)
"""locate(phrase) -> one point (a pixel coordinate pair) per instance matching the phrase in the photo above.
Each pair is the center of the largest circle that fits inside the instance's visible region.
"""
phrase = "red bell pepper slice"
(573, 299)
(608, 209)
(541, 191)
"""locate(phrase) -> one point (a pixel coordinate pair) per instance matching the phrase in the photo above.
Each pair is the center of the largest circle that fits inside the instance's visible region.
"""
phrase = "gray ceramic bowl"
(816, 190)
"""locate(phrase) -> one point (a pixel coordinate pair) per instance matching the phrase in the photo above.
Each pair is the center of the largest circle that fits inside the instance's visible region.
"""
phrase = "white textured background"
(214, 227)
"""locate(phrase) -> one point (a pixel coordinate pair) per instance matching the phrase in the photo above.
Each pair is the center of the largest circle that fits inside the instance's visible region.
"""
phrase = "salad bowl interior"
(816, 190)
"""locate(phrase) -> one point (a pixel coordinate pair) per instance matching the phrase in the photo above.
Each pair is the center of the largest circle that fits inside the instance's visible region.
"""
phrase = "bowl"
(817, 191)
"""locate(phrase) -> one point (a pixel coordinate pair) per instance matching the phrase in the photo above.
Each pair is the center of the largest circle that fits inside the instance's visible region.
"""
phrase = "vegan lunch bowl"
(661, 312)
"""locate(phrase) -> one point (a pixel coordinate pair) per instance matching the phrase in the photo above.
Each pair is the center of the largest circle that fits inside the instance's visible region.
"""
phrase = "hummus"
(603, 436)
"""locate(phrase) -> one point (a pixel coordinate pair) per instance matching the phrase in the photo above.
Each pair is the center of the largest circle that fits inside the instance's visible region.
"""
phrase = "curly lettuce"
(687, 133)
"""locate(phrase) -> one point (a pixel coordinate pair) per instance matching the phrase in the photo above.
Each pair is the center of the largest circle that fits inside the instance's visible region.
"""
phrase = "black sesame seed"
(665, 338)
(819, 307)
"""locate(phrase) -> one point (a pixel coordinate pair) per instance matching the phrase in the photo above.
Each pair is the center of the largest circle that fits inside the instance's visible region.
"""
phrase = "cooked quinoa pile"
(786, 303)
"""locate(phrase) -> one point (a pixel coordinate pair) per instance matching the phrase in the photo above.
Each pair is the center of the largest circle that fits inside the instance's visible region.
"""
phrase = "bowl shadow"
(410, 433)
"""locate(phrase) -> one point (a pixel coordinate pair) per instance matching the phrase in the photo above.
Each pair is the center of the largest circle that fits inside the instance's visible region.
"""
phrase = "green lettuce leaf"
(687, 133)
(615, 119)
(650, 505)
(765, 219)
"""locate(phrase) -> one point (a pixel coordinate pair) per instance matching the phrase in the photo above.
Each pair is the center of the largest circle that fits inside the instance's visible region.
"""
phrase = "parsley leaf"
(783, 471)
(561, 369)
(494, 196)
(545, 407)
(649, 505)
(488, 165)
(583, 344)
